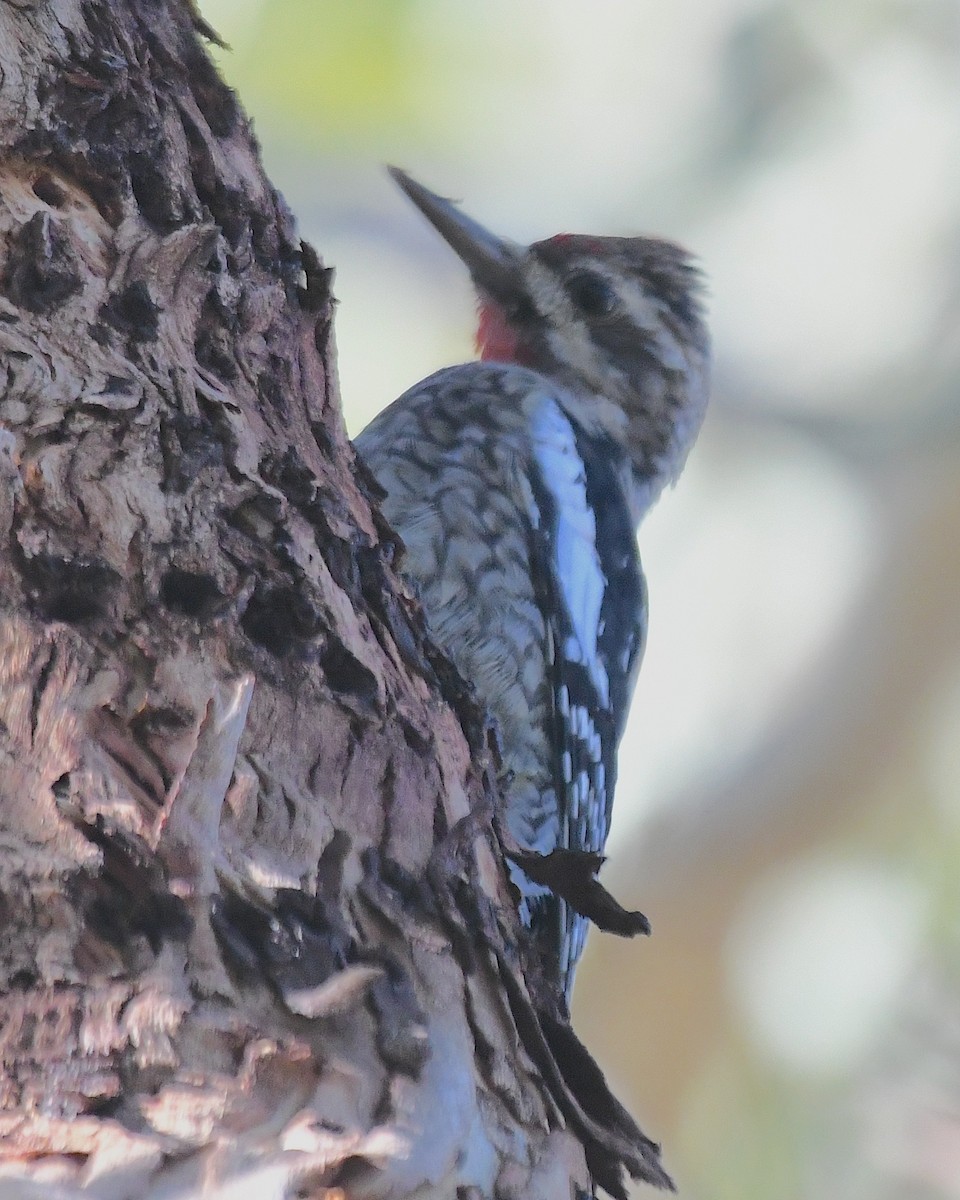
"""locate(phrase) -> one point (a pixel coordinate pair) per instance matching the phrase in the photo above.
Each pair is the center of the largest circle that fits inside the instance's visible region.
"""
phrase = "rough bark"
(255, 926)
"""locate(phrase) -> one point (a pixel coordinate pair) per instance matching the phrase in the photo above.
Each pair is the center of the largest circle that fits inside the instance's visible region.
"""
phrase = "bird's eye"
(592, 294)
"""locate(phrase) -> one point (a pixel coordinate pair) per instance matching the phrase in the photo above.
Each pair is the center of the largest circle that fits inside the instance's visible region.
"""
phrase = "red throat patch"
(496, 340)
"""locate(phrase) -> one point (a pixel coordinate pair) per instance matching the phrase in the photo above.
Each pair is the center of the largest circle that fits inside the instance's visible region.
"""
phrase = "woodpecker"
(517, 484)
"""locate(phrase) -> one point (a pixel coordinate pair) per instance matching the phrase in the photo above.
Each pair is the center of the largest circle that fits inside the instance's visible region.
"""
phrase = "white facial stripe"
(647, 314)
(571, 342)
(568, 333)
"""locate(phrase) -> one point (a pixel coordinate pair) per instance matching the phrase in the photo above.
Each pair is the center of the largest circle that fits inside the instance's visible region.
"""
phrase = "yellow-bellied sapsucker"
(517, 483)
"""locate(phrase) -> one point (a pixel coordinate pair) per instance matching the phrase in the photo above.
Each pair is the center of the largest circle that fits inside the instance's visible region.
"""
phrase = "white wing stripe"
(579, 572)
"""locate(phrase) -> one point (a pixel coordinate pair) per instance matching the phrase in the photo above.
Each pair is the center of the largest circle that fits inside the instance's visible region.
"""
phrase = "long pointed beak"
(493, 263)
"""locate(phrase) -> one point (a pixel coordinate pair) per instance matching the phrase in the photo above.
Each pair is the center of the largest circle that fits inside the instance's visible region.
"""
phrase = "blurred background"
(788, 812)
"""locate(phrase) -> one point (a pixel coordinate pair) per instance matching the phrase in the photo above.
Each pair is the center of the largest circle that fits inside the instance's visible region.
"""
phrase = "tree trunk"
(255, 922)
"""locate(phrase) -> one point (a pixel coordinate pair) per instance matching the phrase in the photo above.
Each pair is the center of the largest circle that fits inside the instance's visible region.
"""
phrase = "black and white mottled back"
(517, 483)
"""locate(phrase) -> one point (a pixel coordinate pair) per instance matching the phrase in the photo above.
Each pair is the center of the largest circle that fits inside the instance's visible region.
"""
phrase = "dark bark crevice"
(254, 909)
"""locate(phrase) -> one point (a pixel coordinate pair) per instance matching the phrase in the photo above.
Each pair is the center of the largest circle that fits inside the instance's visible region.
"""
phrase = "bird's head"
(617, 321)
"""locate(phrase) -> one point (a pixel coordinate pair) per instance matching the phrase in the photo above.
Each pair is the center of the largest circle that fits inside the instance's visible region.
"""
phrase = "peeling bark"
(255, 923)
